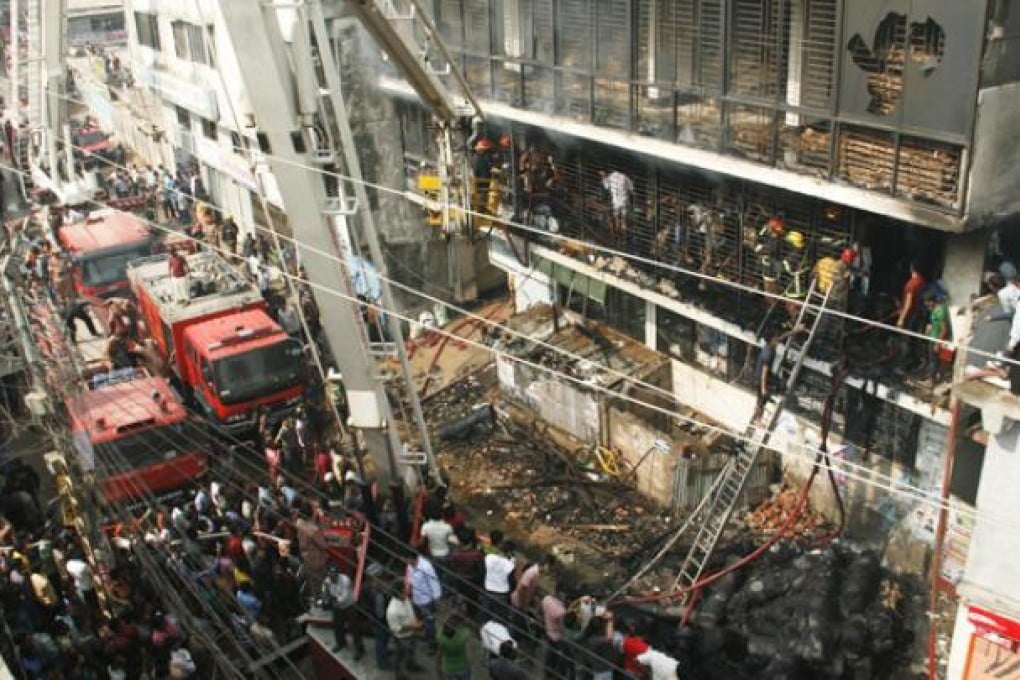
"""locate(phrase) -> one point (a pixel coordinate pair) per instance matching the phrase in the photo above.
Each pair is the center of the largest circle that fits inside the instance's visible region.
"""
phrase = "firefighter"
(769, 250)
(481, 172)
(795, 266)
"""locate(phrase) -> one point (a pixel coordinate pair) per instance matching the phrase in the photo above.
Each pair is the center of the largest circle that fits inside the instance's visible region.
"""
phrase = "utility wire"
(804, 451)
(658, 264)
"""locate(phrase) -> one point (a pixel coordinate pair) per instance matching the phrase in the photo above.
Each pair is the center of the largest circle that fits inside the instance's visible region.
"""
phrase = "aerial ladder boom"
(294, 108)
(397, 34)
(410, 41)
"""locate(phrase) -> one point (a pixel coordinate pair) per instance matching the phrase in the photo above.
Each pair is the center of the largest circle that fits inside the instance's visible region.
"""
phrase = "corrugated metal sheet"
(694, 478)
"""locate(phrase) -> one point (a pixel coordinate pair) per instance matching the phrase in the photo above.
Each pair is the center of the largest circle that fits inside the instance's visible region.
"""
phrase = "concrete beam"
(712, 161)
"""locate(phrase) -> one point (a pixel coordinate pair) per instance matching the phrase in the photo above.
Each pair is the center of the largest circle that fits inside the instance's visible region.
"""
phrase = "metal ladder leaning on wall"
(788, 363)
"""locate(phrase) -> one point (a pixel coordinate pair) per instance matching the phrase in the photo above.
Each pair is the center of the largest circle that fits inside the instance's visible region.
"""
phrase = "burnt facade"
(880, 95)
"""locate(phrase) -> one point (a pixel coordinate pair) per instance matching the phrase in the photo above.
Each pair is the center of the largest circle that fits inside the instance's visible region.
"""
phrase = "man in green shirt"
(452, 650)
(938, 331)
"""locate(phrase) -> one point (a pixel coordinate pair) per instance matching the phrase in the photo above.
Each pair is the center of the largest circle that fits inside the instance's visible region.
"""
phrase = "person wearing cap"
(481, 171)
(338, 593)
(795, 265)
(769, 249)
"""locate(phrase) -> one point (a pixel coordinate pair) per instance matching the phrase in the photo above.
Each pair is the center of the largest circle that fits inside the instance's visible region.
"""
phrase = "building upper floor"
(901, 107)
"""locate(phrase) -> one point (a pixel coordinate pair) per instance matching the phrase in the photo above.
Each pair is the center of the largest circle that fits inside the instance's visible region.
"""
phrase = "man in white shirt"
(181, 663)
(338, 594)
(1009, 296)
(498, 568)
(493, 635)
(81, 574)
(661, 666)
(403, 625)
(620, 188)
(439, 535)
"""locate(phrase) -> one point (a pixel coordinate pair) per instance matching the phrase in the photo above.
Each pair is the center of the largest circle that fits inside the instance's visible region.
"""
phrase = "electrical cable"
(120, 464)
(559, 350)
(867, 475)
(830, 470)
(572, 356)
(125, 466)
(775, 297)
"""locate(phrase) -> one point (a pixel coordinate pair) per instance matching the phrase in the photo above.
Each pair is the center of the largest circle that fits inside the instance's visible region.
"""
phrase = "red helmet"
(484, 144)
(848, 256)
(504, 141)
(776, 226)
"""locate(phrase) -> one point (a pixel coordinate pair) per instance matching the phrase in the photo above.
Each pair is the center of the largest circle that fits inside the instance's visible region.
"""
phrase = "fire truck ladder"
(411, 42)
(788, 363)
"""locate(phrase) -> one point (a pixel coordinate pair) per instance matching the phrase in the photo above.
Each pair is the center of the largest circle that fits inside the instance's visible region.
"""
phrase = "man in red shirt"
(910, 302)
(909, 315)
(630, 644)
(179, 276)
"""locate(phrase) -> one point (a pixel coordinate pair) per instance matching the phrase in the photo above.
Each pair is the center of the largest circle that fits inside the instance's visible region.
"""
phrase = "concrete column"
(651, 326)
(14, 103)
(964, 265)
(795, 68)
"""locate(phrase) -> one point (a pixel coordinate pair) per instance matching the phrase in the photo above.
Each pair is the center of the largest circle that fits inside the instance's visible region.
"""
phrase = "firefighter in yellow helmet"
(795, 265)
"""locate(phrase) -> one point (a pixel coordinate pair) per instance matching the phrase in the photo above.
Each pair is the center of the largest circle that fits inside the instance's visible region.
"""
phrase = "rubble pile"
(775, 512)
(507, 477)
(830, 613)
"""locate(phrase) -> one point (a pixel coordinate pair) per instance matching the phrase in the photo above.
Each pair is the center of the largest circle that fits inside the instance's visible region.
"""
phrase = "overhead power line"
(804, 451)
(658, 264)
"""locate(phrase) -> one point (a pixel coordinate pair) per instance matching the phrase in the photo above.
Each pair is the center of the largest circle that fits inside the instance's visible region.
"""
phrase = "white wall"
(962, 632)
(530, 290)
(995, 544)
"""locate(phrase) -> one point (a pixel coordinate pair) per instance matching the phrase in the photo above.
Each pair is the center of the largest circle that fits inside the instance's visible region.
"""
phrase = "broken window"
(883, 61)
(927, 45)
(885, 58)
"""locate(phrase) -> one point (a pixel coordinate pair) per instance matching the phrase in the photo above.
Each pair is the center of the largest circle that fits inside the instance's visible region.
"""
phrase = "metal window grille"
(613, 63)
(756, 78)
(757, 57)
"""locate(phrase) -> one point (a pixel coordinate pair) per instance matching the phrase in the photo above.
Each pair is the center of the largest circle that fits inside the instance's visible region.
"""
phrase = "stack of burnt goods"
(803, 613)
(780, 511)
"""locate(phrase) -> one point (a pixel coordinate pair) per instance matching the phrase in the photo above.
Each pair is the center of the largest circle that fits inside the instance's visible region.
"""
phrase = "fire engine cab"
(230, 356)
(101, 246)
(134, 432)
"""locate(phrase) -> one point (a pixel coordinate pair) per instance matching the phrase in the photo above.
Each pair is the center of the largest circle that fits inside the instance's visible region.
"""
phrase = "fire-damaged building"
(683, 171)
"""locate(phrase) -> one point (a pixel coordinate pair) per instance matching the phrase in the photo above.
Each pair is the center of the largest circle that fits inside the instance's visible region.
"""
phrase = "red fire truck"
(228, 353)
(101, 246)
(132, 429)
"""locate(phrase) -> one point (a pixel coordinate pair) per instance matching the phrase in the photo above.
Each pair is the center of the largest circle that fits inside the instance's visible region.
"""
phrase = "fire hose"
(839, 375)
